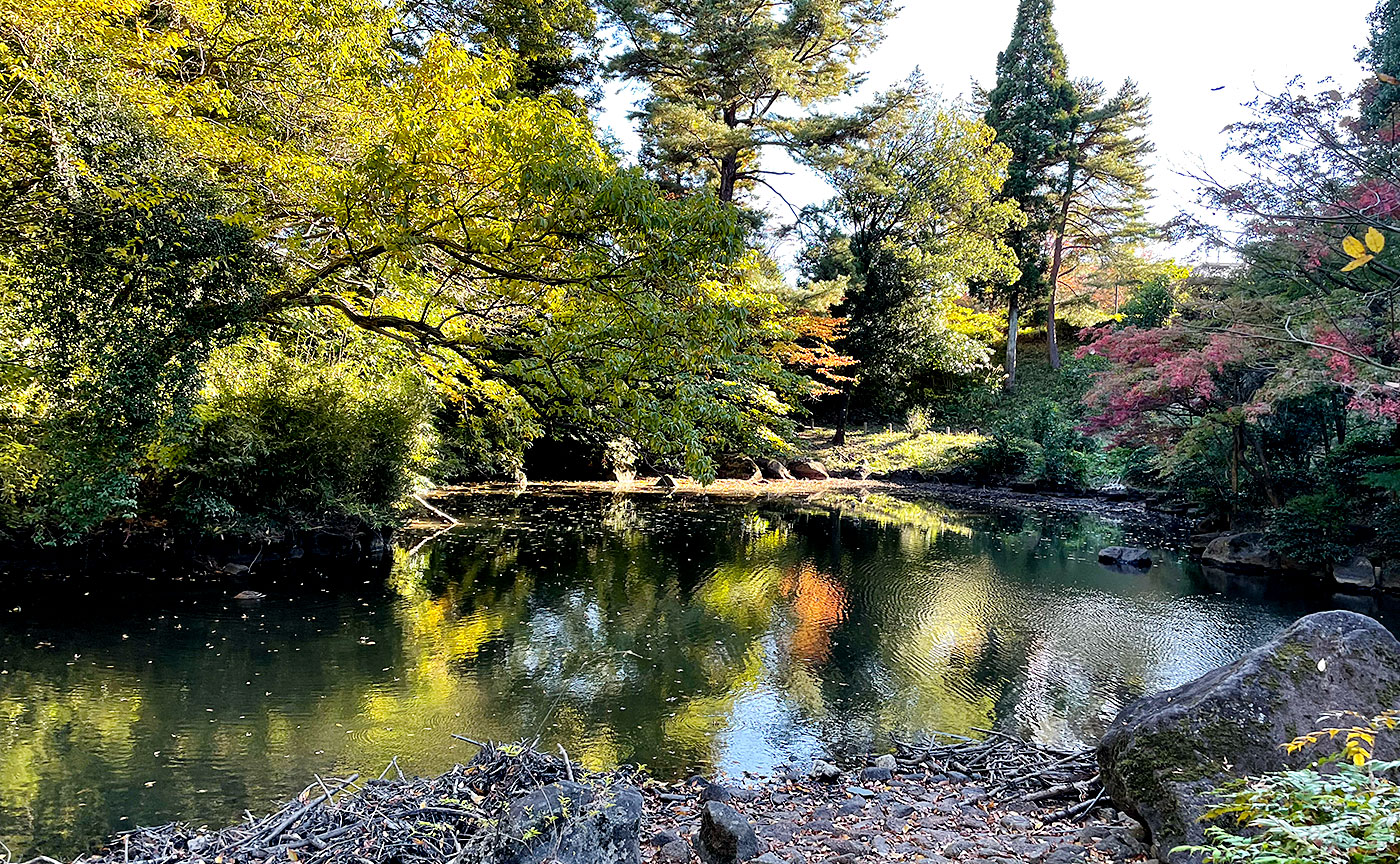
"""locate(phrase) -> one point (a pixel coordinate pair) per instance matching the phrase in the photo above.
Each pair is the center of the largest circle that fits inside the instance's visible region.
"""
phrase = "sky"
(1177, 51)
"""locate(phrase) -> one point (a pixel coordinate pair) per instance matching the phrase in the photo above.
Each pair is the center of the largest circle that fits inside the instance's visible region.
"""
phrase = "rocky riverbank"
(516, 805)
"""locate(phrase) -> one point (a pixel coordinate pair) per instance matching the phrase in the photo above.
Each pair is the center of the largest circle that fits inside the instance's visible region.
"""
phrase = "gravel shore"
(912, 816)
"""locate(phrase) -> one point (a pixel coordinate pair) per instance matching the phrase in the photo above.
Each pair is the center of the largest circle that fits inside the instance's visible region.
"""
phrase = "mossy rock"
(1164, 755)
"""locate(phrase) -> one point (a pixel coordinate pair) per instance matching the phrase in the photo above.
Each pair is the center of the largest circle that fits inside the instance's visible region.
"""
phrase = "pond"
(686, 634)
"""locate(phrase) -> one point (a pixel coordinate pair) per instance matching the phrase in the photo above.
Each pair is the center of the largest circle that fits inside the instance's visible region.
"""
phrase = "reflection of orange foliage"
(812, 351)
(818, 604)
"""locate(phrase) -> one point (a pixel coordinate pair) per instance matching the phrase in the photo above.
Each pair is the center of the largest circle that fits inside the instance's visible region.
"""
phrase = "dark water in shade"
(682, 634)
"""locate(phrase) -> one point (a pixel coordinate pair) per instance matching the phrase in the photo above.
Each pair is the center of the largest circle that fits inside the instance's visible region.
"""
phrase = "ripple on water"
(685, 635)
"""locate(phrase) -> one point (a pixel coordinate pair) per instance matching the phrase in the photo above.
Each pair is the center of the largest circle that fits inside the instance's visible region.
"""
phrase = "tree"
(917, 218)
(318, 172)
(553, 43)
(724, 76)
(1030, 108)
(1382, 56)
(1101, 189)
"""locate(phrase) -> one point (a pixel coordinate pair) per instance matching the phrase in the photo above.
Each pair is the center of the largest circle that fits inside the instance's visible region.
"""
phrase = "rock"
(1016, 822)
(886, 761)
(1245, 551)
(599, 826)
(249, 595)
(675, 852)
(844, 846)
(775, 470)
(666, 481)
(1065, 855)
(1164, 755)
(1359, 572)
(875, 775)
(1199, 542)
(1119, 844)
(861, 791)
(1021, 486)
(808, 469)
(725, 837)
(738, 467)
(715, 792)
(661, 838)
(1128, 556)
(1390, 576)
(825, 772)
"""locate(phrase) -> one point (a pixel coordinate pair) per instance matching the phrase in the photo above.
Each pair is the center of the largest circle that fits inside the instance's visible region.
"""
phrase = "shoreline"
(1128, 512)
(511, 804)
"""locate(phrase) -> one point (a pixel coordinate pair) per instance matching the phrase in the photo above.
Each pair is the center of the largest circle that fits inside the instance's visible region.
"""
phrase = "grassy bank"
(888, 449)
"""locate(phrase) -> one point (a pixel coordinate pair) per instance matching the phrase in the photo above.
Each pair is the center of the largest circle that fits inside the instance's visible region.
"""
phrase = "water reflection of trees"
(679, 634)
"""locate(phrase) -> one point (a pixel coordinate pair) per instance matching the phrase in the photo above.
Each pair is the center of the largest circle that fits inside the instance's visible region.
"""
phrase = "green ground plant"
(1341, 809)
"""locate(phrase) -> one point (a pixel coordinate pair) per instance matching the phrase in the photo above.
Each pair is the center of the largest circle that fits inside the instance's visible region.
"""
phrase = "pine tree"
(1100, 191)
(1382, 56)
(725, 76)
(1031, 109)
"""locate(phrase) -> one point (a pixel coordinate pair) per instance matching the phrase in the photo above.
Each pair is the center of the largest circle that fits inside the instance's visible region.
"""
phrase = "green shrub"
(1342, 809)
(1151, 305)
(918, 421)
(1002, 456)
(281, 441)
(1312, 529)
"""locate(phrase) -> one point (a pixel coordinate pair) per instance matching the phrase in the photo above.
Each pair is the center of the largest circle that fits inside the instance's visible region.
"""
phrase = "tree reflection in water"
(682, 633)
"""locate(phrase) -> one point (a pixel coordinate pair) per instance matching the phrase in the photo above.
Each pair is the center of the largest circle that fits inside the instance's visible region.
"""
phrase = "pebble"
(1065, 855)
(825, 772)
(1016, 822)
(804, 820)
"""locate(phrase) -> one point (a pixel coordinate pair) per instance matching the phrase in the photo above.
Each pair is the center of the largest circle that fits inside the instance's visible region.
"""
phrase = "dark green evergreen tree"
(1382, 56)
(1031, 109)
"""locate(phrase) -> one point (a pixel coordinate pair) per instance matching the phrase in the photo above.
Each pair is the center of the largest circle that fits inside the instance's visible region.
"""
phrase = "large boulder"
(725, 837)
(1126, 556)
(1359, 572)
(1246, 551)
(569, 823)
(808, 469)
(739, 467)
(1164, 755)
(776, 470)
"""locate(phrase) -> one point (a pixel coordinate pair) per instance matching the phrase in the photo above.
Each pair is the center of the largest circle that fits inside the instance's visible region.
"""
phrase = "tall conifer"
(1030, 109)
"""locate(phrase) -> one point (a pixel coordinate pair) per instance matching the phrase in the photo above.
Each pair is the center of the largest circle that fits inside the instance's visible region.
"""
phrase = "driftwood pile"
(1012, 770)
(451, 819)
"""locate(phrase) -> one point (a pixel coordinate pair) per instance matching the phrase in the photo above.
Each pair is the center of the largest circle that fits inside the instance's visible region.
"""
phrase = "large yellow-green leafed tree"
(176, 172)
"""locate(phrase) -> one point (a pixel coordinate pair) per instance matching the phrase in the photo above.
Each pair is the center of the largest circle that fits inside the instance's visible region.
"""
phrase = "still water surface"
(684, 634)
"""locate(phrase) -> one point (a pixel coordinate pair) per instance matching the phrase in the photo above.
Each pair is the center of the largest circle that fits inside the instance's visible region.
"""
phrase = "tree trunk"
(1264, 471)
(1052, 341)
(839, 439)
(729, 164)
(728, 177)
(1013, 325)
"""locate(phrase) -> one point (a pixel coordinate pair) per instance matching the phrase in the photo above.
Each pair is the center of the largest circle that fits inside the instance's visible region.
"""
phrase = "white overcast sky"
(1177, 51)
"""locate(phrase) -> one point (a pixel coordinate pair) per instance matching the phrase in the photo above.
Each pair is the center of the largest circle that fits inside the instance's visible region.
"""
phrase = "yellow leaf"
(1353, 247)
(1375, 240)
(1359, 759)
(1358, 262)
